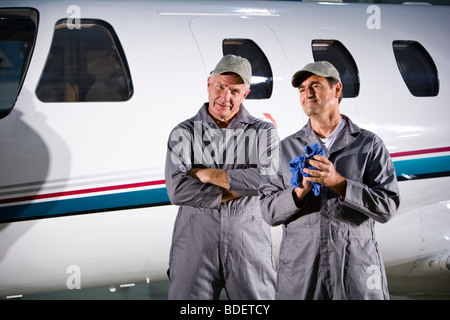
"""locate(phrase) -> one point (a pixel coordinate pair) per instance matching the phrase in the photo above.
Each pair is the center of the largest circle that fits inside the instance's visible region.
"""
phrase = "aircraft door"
(272, 97)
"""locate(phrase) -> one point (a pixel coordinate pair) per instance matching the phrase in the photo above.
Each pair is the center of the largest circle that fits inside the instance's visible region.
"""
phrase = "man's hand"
(301, 191)
(326, 175)
(218, 177)
(229, 195)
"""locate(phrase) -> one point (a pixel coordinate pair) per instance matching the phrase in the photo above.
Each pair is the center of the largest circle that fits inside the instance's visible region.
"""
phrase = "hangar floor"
(151, 291)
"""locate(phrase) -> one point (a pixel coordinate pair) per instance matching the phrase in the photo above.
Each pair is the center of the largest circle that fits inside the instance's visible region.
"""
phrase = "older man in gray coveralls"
(329, 250)
(214, 165)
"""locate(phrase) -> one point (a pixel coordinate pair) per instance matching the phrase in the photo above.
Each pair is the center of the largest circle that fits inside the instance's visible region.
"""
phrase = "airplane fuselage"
(82, 191)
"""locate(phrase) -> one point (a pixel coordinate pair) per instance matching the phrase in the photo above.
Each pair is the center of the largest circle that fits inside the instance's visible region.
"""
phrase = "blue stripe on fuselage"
(405, 169)
(84, 205)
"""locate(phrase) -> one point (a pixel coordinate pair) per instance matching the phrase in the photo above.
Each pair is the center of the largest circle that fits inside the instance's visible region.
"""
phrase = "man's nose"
(226, 95)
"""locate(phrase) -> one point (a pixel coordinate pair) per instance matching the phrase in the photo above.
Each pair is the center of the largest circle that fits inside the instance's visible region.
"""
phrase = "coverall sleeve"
(181, 187)
(377, 195)
(276, 198)
(277, 202)
(244, 181)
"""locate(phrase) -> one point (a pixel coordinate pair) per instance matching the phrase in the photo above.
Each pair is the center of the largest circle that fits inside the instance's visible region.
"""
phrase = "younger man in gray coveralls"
(329, 250)
(213, 170)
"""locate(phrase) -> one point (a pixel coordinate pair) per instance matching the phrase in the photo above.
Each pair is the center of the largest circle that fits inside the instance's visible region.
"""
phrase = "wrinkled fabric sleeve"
(246, 182)
(277, 203)
(377, 196)
(181, 187)
(276, 198)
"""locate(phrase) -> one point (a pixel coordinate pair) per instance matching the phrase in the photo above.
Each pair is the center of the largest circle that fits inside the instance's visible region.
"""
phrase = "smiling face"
(317, 97)
(226, 92)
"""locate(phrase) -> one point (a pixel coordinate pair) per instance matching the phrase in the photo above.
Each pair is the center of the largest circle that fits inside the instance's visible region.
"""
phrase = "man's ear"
(208, 82)
(338, 89)
(246, 94)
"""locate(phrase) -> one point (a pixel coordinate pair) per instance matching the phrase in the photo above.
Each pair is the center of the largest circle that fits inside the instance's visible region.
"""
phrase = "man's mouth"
(223, 106)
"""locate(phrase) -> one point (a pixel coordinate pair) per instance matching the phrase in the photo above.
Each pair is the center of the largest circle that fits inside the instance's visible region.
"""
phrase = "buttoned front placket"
(224, 235)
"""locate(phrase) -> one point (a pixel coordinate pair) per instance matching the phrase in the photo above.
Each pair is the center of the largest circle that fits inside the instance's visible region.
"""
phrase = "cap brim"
(299, 77)
(302, 75)
(244, 80)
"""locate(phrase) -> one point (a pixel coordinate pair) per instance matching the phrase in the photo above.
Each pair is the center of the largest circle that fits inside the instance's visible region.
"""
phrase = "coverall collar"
(242, 116)
(347, 135)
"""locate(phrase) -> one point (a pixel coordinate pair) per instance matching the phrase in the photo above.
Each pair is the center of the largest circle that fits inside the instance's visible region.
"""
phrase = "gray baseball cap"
(320, 68)
(235, 64)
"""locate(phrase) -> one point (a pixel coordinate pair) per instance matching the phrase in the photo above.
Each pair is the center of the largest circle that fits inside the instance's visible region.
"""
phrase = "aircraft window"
(17, 37)
(417, 68)
(337, 54)
(262, 78)
(85, 64)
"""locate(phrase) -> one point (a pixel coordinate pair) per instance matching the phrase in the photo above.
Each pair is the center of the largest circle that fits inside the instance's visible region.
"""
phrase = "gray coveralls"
(329, 250)
(219, 245)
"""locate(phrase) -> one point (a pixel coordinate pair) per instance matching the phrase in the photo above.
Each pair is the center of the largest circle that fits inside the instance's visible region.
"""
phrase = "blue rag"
(297, 164)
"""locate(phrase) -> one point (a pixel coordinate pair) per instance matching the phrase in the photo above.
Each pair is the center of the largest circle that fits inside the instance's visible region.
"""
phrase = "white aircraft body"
(90, 90)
